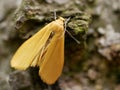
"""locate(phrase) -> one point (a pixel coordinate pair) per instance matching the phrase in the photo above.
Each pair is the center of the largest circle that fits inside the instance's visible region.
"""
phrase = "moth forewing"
(52, 65)
(26, 53)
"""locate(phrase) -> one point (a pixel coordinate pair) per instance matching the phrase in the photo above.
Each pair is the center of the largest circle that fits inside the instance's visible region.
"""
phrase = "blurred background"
(92, 65)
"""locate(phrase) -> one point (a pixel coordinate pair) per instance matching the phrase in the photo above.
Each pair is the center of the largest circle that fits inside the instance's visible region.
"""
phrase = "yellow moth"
(45, 49)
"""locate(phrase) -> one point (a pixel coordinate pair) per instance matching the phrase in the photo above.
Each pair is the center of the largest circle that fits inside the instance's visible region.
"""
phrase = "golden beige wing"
(28, 51)
(52, 65)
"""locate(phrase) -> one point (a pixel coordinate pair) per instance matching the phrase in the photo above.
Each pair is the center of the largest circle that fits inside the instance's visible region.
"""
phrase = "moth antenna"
(55, 17)
(66, 21)
(73, 37)
(65, 24)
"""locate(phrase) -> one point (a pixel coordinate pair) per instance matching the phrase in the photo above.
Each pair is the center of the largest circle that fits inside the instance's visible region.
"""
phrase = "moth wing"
(52, 65)
(27, 52)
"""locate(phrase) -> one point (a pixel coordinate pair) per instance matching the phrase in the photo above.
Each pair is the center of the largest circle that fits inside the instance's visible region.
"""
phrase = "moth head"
(61, 18)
